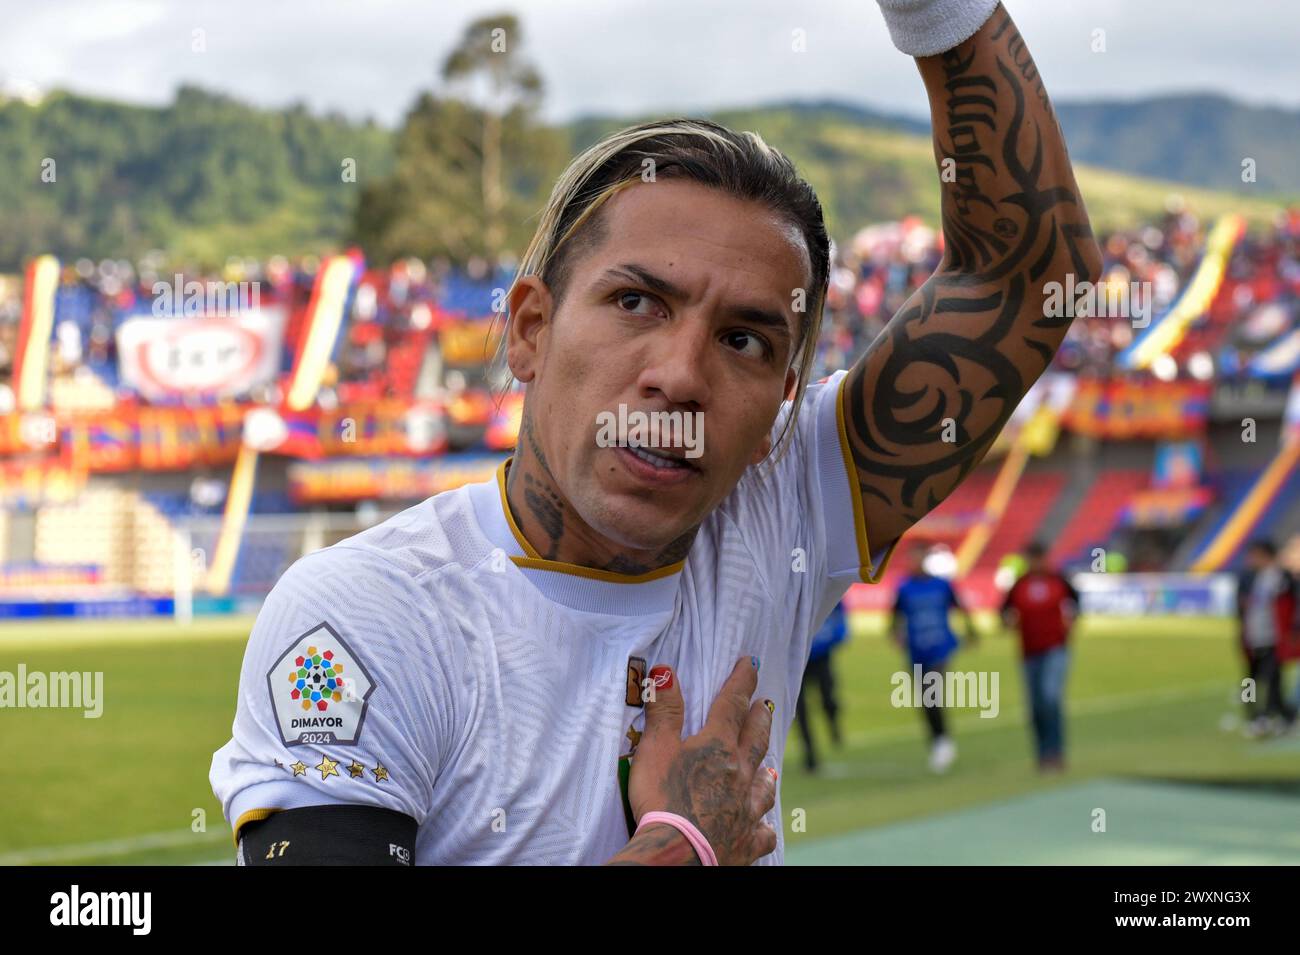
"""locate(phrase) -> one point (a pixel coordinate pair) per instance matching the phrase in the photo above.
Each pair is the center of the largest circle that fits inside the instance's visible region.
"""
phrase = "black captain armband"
(329, 835)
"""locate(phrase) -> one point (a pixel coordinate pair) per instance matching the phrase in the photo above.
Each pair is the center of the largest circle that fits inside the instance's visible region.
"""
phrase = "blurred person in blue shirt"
(920, 625)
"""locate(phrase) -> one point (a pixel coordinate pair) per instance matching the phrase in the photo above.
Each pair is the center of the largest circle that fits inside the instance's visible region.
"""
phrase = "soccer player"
(458, 684)
(920, 623)
(1042, 604)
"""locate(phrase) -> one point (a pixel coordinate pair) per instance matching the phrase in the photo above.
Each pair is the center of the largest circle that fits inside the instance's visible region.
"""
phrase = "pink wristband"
(686, 828)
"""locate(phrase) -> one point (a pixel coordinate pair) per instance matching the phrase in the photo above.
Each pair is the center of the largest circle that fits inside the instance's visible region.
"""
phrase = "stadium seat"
(1097, 514)
(1030, 504)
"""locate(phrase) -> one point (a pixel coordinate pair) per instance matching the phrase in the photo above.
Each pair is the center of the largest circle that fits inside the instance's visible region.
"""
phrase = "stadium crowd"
(872, 276)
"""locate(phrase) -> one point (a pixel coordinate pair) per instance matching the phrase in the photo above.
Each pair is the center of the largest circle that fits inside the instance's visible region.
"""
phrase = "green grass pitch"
(1147, 703)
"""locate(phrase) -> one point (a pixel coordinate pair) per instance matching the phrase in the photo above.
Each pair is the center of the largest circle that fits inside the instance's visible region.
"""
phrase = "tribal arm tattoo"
(926, 401)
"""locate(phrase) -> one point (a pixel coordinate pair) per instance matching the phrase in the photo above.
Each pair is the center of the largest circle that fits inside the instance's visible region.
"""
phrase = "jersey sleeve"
(818, 470)
(851, 554)
(343, 696)
(802, 512)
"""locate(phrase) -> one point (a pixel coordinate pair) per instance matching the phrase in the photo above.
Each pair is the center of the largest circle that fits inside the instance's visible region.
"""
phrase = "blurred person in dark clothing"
(820, 672)
(1042, 605)
(1266, 605)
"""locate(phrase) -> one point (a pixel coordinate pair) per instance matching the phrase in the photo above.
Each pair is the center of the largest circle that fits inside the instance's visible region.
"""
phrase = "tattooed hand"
(713, 778)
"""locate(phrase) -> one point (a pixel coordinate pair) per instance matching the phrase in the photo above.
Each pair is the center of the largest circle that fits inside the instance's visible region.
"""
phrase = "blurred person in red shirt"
(1042, 605)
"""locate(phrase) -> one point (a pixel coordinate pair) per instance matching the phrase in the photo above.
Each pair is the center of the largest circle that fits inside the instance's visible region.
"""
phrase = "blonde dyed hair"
(739, 164)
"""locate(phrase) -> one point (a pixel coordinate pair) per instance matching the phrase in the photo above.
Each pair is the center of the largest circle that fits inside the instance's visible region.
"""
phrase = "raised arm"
(923, 405)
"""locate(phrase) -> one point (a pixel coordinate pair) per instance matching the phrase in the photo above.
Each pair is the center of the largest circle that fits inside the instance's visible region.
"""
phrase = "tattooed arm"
(923, 405)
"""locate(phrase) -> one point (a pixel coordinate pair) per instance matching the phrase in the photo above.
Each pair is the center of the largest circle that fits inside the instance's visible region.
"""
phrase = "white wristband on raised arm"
(927, 27)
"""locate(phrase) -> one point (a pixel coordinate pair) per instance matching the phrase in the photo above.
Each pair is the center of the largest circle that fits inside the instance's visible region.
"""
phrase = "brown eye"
(748, 344)
(624, 296)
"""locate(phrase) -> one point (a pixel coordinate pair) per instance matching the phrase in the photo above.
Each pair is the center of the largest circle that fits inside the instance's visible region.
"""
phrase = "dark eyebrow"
(775, 321)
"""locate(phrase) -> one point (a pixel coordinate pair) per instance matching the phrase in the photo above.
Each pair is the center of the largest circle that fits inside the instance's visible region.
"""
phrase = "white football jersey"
(436, 665)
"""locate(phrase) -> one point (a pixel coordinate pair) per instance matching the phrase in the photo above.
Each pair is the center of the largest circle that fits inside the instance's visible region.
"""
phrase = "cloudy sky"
(369, 57)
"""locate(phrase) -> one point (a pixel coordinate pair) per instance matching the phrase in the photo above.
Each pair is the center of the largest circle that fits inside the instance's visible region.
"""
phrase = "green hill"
(207, 177)
(867, 167)
(1199, 139)
(202, 178)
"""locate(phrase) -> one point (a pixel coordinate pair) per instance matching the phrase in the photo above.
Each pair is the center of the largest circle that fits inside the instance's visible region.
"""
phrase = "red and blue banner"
(387, 478)
(1119, 409)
